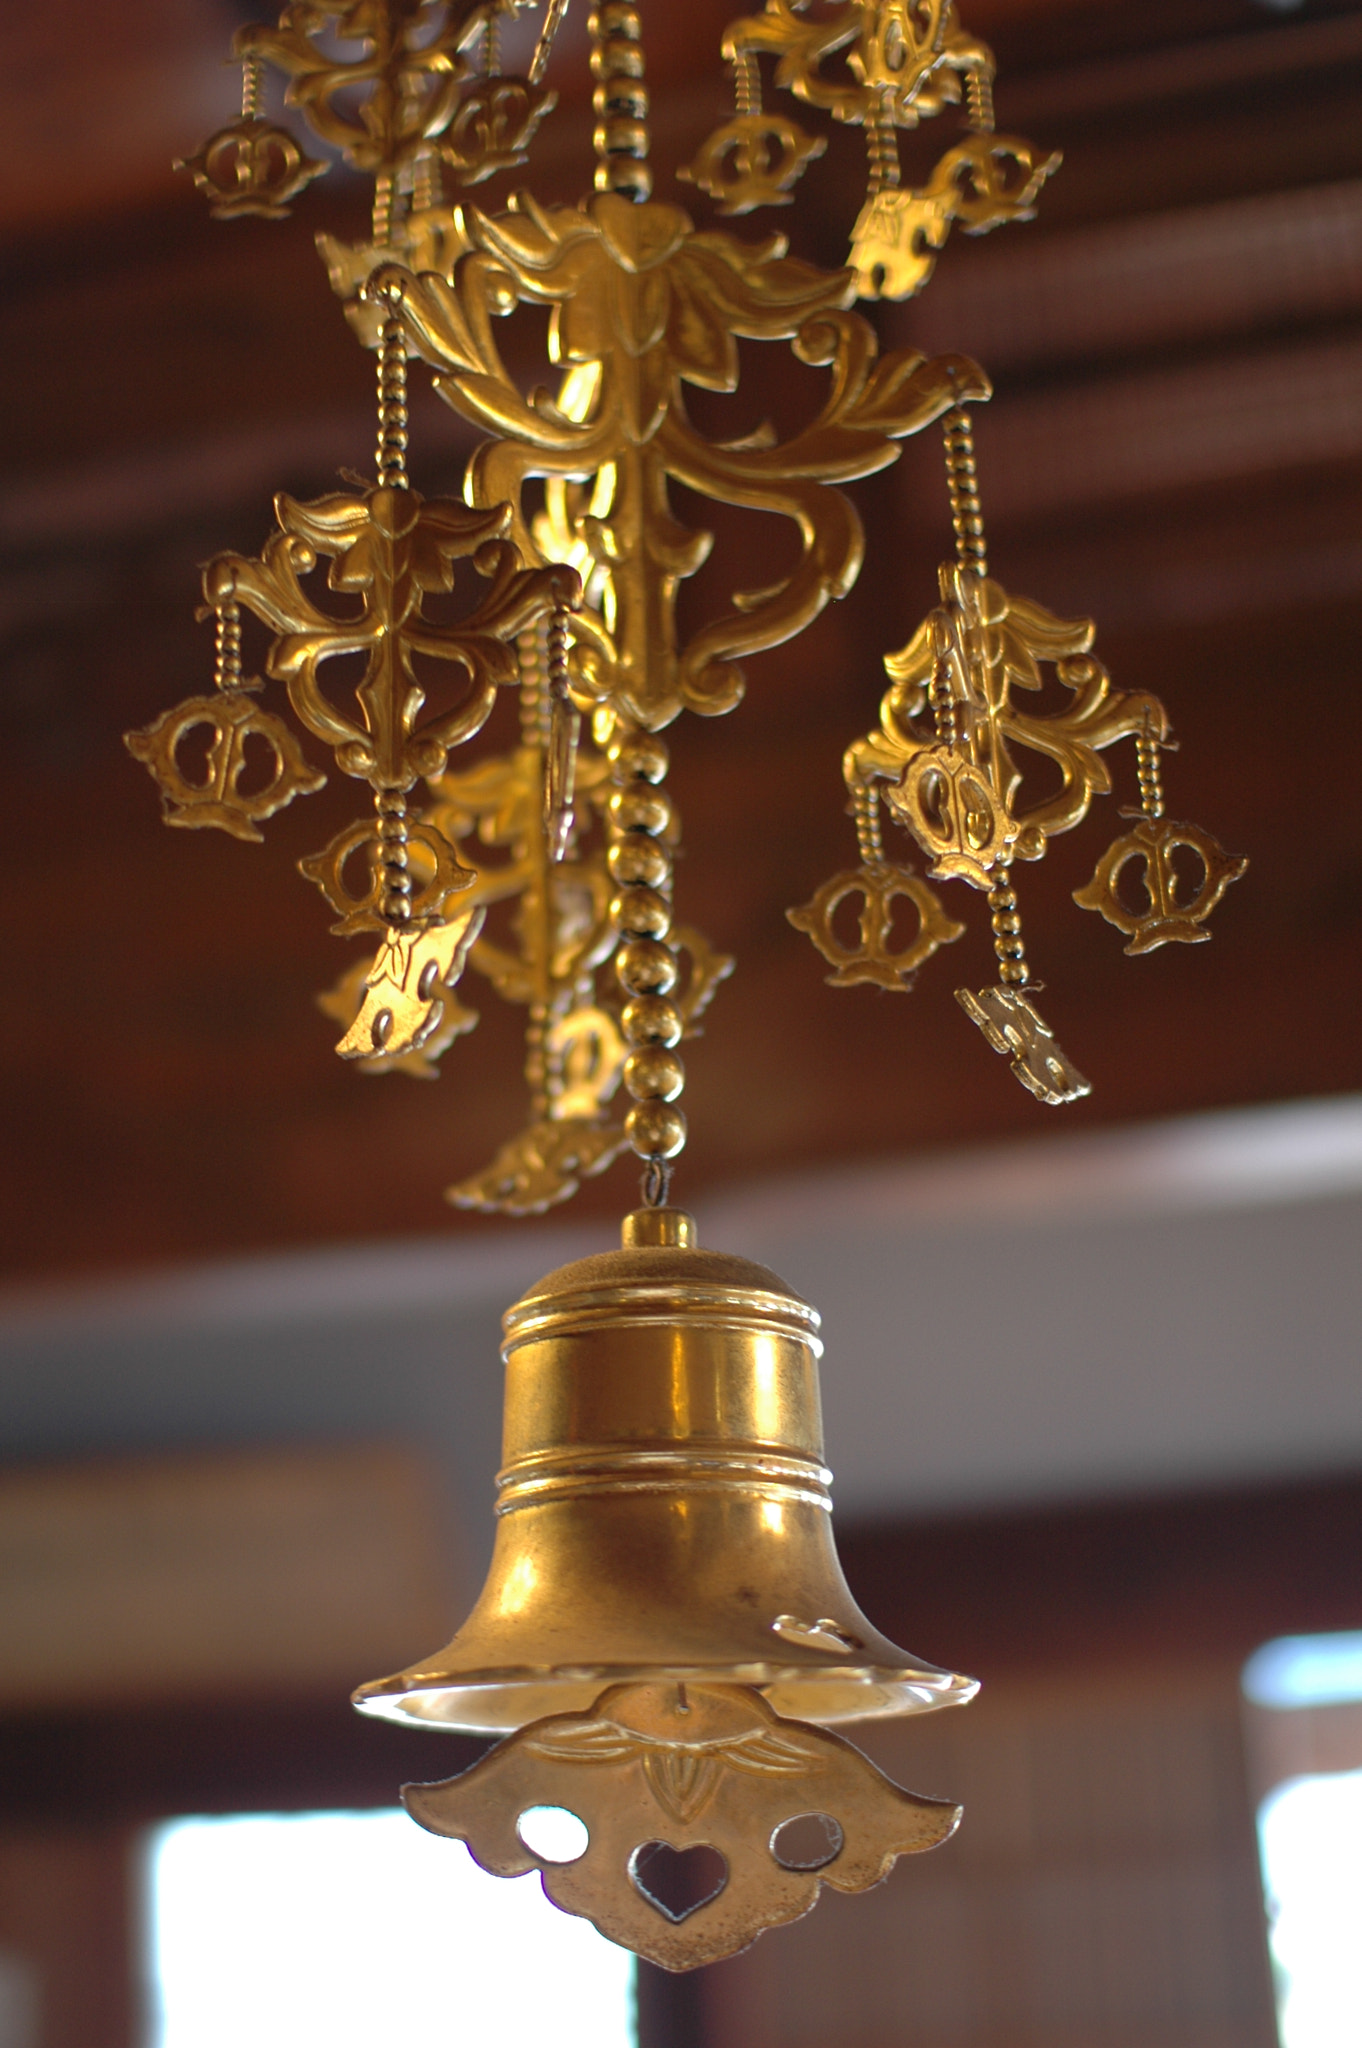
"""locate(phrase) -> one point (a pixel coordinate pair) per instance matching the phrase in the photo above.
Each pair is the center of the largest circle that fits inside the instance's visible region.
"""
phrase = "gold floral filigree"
(342, 1001)
(385, 103)
(642, 305)
(1014, 1027)
(402, 993)
(905, 56)
(997, 646)
(753, 160)
(984, 182)
(393, 551)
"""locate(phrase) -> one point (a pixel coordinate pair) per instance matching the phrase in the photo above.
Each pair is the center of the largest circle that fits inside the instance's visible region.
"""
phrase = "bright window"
(352, 1928)
(1310, 1842)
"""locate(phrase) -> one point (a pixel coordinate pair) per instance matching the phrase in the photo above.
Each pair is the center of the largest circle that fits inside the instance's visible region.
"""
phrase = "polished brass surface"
(687, 1766)
(663, 1508)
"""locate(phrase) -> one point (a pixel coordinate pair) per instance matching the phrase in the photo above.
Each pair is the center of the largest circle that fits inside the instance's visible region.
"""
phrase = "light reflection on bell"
(663, 1507)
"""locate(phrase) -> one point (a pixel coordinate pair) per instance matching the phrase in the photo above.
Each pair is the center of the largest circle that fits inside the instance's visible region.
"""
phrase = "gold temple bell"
(666, 1606)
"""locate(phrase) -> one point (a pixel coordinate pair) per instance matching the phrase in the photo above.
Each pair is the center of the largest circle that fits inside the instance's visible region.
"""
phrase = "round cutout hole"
(553, 1833)
(807, 1841)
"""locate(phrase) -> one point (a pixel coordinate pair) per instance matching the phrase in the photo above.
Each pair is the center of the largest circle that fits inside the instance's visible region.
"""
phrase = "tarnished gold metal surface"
(663, 1508)
(642, 305)
(660, 1772)
(1015, 1028)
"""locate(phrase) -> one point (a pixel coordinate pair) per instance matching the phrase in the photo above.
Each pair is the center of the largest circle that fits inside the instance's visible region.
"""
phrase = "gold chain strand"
(939, 691)
(392, 404)
(640, 814)
(746, 82)
(553, 21)
(620, 100)
(252, 82)
(1007, 931)
(427, 188)
(535, 708)
(979, 101)
(962, 481)
(227, 652)
(1149, 772)
(395, 904)
(385, 209)
(883, 150)
(491, 45)
(865, 808)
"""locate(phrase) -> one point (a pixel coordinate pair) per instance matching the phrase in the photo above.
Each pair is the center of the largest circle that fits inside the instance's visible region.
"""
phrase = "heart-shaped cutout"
(677, 1882)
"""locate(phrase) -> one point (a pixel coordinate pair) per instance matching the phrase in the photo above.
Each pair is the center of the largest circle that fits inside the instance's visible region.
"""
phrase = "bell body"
(663, 1506)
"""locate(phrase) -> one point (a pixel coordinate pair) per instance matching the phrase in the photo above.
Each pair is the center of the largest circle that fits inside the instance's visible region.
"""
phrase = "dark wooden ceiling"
(1176, 447)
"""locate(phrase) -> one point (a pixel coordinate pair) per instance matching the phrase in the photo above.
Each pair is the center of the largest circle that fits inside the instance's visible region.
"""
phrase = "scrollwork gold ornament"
(642, 305)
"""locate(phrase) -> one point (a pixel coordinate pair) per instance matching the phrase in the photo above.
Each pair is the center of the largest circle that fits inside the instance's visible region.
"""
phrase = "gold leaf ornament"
(686, 1767)
(753, 160)
(983, 182)
(342, 1002)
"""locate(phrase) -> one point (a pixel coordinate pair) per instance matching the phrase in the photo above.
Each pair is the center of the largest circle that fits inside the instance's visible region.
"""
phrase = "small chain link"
(746, 82)
(620, 100)
(543, 49)
(227, 661)
(882, 146)
(979, 101)
(1007, 931)
(392, 403)
(962, 481)
(395, 905)
(252, 84)
(865, 806)
(1149, 772)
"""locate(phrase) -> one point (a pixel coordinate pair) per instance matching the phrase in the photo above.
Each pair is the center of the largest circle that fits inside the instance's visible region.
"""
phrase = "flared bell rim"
(497, 1701)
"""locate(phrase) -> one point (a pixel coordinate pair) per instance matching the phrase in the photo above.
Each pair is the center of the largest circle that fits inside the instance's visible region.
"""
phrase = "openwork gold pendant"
(766, 1811)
